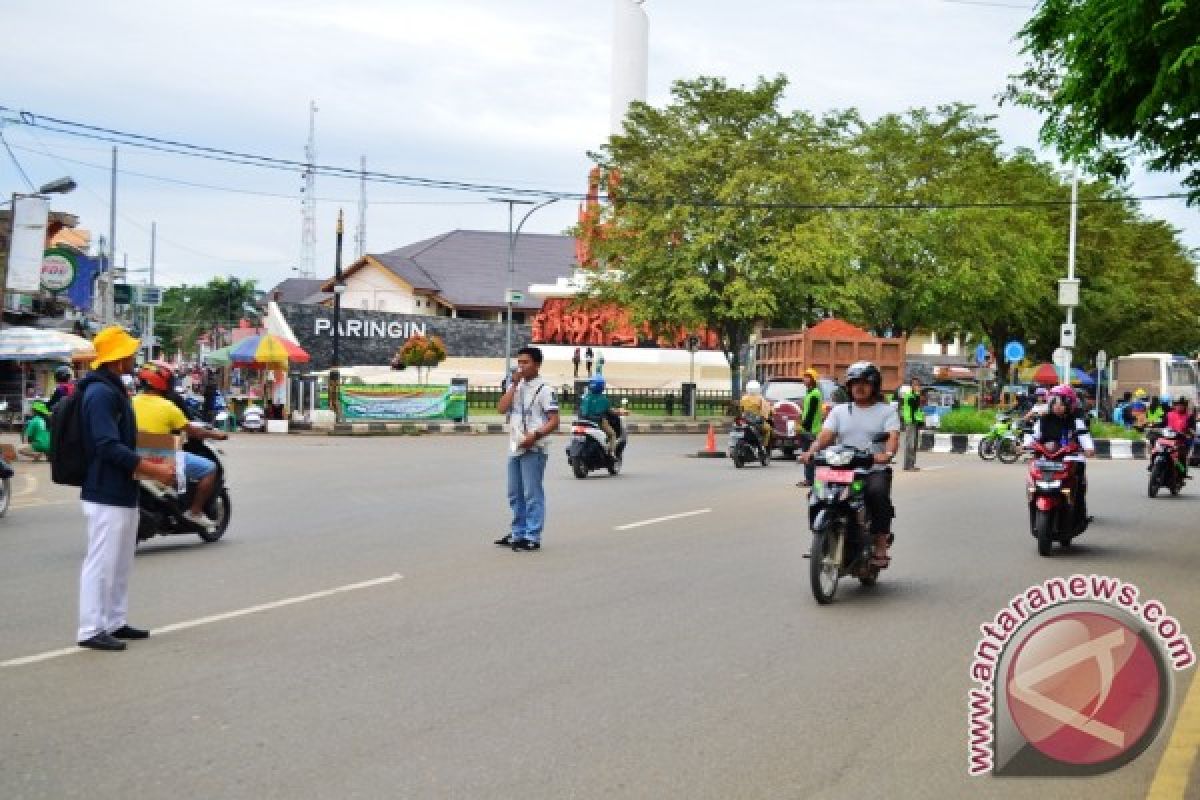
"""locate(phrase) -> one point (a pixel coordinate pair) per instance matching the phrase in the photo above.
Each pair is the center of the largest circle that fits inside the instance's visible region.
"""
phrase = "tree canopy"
(187, 312)
(1115, 78)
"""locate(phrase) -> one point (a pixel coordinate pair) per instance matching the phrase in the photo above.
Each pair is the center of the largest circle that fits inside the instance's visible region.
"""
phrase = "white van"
(1158, 373)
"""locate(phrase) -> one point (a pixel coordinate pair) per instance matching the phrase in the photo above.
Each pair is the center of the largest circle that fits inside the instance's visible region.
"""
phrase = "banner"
(389, 402)
(30, 216)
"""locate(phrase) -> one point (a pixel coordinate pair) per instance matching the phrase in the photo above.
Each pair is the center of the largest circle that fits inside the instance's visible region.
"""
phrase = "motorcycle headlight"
(1049, 484)
(838, 459)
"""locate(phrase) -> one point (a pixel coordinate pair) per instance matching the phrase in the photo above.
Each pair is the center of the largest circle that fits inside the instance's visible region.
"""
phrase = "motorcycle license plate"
(736, 434)
(831, 475)
(579, 437)
(1050, 466)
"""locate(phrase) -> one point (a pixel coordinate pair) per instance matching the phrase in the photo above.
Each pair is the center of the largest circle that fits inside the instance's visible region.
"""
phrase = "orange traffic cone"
(710, 445)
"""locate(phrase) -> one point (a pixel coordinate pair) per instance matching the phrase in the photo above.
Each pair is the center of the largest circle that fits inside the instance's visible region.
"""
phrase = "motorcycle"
(840, 522)
(6, 475)
(1057, 506)
(588, 449)
(254, 419)
(1167, 468)
(1001, 441)
(745, 441)
(160, 508)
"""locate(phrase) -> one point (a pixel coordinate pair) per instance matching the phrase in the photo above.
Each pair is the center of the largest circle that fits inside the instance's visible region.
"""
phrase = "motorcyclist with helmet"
(1060, 426)
(64, 380)
(596, 408)
(759, 411)
(857, 424)
(1182, 420)
(156, 413)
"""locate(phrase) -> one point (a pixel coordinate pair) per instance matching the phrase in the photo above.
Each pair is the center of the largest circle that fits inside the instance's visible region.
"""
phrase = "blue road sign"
(981, 354)
(1014, 351)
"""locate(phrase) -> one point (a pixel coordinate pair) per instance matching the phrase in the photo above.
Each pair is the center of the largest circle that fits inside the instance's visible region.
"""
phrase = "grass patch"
(966, 420)
(1108, 430)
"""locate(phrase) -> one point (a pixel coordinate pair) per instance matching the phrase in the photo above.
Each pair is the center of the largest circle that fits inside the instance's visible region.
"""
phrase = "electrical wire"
(16, 163)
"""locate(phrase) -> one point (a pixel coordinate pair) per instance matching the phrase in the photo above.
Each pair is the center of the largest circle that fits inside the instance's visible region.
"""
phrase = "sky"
(506, 92)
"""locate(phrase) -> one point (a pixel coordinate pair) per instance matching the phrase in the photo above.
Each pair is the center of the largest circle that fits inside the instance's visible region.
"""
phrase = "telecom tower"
(308, 236)
(360, 233)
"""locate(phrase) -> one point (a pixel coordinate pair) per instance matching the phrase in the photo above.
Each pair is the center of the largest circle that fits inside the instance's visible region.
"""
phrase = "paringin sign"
(369, 329)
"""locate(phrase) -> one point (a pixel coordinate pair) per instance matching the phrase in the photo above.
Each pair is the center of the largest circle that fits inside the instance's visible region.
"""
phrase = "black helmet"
(63, 374)
(865, 371)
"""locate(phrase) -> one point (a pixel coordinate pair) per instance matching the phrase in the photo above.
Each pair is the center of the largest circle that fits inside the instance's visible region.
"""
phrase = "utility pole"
(107, 310)
(150, 309)
(338, 288)
(308, 234)
(360, 235)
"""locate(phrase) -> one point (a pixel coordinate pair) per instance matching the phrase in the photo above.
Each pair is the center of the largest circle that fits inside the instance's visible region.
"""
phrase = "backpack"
(68, 466)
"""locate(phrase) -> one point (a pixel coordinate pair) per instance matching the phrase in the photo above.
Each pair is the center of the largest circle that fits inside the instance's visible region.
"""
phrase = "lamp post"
(339, 288)
(512, 248)
(60, 186)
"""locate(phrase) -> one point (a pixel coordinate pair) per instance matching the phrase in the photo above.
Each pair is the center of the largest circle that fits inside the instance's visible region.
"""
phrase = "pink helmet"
(1066, 393)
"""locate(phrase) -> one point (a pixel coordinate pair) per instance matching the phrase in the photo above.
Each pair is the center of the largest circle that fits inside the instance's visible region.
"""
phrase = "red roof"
(836, 329)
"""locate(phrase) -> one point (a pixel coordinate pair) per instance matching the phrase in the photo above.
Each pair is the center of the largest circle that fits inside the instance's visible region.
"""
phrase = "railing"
(651, 402)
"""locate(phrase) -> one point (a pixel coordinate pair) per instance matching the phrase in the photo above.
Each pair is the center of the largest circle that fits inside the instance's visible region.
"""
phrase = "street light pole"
(512, 249)
(335, 376)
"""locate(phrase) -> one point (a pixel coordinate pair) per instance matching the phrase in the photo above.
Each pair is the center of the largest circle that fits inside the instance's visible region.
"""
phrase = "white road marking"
(192, 623)
(931, 469)
(31, 486)
(662, 519)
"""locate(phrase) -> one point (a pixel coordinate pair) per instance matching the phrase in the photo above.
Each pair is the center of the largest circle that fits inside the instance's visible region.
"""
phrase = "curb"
(959, 443)
(478, 428)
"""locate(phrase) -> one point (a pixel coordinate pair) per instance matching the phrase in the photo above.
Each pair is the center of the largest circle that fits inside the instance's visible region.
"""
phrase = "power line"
(16, 163)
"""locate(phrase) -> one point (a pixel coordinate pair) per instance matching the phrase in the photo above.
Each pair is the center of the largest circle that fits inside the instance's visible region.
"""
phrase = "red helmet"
(157, 375)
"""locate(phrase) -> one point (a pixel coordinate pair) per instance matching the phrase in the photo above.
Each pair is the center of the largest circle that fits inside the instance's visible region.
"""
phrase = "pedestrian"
(575, 362)
(811, 420)
(913, 417)
(600, 363)
(209, 409)
(110, 493)
(532, 411)
(37, 432)
(589, 357)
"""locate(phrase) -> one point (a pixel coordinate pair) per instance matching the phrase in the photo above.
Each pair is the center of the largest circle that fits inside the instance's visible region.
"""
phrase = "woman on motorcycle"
(1062, 426)
(595, 407)
(1182, 420)
(754, 403)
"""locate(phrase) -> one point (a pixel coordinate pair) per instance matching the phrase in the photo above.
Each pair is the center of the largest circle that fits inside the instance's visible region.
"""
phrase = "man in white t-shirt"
(532, 411)
(857, 423)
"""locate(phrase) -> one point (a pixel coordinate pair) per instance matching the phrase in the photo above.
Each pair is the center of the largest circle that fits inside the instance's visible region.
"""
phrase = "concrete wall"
(373, 337)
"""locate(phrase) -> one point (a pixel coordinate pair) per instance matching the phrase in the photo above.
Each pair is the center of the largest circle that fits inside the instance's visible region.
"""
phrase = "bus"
(1158, 373)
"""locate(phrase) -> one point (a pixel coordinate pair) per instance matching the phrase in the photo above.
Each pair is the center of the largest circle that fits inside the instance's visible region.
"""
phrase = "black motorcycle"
(6, 476)
(161, 508)
(840, 522)
(745, 441)
(588, 449)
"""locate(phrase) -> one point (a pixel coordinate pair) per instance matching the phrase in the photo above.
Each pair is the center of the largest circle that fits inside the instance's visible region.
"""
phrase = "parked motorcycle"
(1167, 468)
(161, 508)
(745, 441)
(1001, 441)
(840, 521)
(588, 450)
(1057, 507)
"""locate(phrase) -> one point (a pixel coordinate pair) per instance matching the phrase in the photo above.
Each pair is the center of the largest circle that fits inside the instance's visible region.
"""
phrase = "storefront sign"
(390, 402)
(58, 269)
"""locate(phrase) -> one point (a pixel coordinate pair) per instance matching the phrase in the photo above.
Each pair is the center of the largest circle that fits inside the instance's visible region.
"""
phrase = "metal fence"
(656, 402)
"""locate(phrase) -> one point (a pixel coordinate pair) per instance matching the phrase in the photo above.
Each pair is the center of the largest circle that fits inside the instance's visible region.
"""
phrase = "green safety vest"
(814, 396)
(910, 414)
(1154, 417)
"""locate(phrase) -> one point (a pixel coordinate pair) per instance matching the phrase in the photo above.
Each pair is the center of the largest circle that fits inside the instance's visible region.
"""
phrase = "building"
(461, 274)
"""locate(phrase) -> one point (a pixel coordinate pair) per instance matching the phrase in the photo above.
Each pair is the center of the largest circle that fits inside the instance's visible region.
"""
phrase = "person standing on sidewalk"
(913, 417)
(588, 358)
(532, 411)
(575, 362)
(110, 493)
(811, 419)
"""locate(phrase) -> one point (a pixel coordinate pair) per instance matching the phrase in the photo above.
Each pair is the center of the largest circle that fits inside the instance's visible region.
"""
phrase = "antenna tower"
(360, 233)
(308, 237)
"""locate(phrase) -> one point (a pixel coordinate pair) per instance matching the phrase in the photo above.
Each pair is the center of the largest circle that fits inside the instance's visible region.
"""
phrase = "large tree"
(187, 312)
(703, 227)
(1116, 78)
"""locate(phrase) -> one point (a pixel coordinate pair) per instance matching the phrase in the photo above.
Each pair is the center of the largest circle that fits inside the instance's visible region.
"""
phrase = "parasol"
(1081, 378)
(1046, 374)
(218, 358)
(266, 351)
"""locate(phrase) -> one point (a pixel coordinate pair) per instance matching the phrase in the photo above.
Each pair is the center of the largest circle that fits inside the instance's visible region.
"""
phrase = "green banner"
(385, 401)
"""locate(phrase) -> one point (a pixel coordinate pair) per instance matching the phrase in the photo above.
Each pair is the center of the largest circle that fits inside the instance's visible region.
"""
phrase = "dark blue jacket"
(109, 441)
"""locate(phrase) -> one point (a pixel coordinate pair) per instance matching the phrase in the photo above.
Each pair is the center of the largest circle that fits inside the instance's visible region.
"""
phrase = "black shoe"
(103, 641)
(504, 541)
(527, 545)
(126, 632)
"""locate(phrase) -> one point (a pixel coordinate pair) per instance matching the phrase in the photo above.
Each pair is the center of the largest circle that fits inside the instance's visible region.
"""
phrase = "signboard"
(1014, 351)
(1061, 358)
(1068, 292)
(392, 402)
(981, 354)
(122, 294)
(1066, 335)
(30, 216)
(1101, 360)
(515, 297)
(58, 269)
(149, 296)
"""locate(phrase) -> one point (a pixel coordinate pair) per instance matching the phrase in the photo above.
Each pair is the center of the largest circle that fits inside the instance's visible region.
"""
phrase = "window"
(381, 304)
(366, 304)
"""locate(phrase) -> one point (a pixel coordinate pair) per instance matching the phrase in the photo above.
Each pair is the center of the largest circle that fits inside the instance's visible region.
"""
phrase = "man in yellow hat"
(110, 492)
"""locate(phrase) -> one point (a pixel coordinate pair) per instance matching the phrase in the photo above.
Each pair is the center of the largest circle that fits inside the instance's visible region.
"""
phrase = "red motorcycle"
(1167, 467)
(1057, 508)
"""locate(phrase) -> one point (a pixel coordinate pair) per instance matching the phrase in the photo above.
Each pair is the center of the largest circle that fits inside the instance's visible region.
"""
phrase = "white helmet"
(753, 387)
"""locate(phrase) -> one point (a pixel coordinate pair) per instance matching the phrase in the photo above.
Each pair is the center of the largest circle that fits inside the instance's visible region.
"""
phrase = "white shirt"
(533, 403)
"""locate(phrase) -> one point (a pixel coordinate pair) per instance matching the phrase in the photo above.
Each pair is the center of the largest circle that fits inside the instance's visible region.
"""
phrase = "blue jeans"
(526, 497)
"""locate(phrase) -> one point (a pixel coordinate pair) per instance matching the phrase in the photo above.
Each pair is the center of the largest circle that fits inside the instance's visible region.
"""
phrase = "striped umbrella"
(266, 351)
(33, 344)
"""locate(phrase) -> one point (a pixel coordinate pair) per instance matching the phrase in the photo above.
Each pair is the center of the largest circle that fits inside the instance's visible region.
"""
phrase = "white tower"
(360, 233)
(630, 46)
(308, 234)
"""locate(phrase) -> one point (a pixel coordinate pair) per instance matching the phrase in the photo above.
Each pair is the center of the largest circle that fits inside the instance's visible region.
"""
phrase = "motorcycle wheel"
(1007, 451)
(5, 495)
(1043, 529)
(789, 453)
(1156, 479)
(736, 455)
(822, 572)
(219, 508)
(579, 469)
(764, 457)
(987, 448)
(1176, 484)
(870, 577)
(615, 467)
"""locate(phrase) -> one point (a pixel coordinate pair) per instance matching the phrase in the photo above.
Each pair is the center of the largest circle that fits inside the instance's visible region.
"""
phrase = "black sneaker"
(527, 545)
(504, 541)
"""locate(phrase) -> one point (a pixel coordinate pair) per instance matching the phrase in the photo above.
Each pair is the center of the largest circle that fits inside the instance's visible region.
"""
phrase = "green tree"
(700, 233)
(1115, 78)
(187, 312)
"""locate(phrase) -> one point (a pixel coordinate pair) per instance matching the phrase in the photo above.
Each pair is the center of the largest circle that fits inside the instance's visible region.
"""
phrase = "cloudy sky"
(509, 92)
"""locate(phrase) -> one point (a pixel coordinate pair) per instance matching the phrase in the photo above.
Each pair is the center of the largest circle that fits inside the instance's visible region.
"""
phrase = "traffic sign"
(149, 296)
(1014, 351)
(1061, 357)
(981, 354)
(122, 294)
(515, 297)
(1101, 360)
(1066, 335)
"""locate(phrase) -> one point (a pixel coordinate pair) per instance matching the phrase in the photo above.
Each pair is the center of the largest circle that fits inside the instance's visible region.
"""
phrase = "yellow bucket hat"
(113, 344)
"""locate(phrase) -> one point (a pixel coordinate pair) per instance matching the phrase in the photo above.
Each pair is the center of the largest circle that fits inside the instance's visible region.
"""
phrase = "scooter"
(1057, 502)
(588, 449)
(745, 441)
(160, 508)
(1167, 468)
(254, 419)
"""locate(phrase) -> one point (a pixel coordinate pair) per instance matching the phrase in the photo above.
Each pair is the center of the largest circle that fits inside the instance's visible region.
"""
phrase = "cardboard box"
(159, 446)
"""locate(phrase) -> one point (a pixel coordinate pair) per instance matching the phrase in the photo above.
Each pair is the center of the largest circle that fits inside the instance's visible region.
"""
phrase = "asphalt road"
(679, 659)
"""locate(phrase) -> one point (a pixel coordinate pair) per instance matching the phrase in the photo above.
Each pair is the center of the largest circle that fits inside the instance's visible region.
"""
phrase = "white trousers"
(104, 583)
